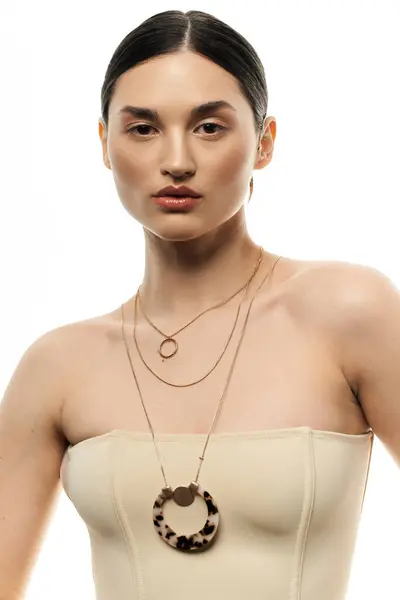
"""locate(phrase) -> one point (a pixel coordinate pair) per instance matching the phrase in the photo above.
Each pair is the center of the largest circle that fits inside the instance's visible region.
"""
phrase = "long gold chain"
(183, 385)
(220, 403)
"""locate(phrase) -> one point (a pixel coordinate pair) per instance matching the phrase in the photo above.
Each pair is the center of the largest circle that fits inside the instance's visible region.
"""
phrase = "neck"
(188, 277)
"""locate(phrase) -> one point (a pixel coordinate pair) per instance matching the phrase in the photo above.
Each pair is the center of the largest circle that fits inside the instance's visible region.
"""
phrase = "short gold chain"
(183, 385)
(218, 305)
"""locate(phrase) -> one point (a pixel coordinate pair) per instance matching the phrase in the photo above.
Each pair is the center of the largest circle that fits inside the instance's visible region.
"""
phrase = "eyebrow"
(202, 110)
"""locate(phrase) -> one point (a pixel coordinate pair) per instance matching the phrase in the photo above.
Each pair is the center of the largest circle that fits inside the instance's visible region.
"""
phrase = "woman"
(209, 431)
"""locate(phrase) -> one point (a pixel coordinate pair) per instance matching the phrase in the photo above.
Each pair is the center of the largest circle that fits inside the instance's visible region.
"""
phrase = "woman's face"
(213, 152)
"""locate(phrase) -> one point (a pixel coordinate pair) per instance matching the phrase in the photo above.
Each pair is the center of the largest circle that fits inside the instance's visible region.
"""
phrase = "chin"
(177, 228)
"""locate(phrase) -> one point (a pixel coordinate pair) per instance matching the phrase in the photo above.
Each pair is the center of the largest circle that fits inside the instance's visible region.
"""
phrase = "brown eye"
(211, 124)
(137, 127)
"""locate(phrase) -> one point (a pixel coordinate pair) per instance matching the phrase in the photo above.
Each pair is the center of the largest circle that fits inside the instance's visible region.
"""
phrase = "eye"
(212, 124)
(136, 128)
(140, 127)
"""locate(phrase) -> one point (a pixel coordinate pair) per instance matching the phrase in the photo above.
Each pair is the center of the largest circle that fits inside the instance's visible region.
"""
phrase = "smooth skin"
(197, 256)
(192, 260)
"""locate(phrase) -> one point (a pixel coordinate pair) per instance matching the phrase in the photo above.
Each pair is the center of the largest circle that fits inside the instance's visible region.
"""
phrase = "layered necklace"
(184, 495)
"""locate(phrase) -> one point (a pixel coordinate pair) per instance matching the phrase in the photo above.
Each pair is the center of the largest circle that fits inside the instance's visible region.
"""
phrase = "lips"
(178, 192)
(177, 203)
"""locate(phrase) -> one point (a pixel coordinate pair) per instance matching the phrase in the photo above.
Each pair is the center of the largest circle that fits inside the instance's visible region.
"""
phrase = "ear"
(266, 144)
(103, 138)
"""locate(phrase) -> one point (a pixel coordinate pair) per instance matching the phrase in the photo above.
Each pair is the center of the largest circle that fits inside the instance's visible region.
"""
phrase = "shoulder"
(73, 349)
(350, 303)
(338, 289)
(338, 299)
(73, 338)
(365, 314)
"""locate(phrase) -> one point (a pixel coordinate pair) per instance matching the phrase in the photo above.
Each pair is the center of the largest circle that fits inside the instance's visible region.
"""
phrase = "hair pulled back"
(172, 31)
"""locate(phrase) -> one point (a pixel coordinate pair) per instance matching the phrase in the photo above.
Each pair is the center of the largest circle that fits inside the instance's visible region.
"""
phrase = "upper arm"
(371, 346)
(31, 451)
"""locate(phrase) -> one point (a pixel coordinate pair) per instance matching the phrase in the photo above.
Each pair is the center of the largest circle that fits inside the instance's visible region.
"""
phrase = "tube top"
(289, 500)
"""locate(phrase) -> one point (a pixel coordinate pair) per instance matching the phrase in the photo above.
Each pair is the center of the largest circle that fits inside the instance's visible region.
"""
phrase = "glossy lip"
(178, 191)
(170, 203)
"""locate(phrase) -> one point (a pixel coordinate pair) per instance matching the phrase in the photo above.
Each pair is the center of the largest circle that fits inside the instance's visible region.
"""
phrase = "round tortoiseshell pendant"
(184, 497)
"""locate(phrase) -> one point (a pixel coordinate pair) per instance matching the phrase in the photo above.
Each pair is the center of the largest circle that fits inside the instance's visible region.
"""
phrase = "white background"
(68, 249)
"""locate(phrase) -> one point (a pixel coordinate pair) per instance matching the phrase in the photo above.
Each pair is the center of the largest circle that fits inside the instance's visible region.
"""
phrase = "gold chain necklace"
(171, 338)
(184, 495)
(182, 385)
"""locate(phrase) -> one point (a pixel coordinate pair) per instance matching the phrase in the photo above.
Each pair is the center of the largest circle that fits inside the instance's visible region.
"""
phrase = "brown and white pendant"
(184, 496)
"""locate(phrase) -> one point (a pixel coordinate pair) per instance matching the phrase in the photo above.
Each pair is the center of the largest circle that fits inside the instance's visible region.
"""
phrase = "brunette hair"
(172, 31)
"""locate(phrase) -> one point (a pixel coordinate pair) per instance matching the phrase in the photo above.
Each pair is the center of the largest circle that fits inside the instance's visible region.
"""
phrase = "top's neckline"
(251, 434)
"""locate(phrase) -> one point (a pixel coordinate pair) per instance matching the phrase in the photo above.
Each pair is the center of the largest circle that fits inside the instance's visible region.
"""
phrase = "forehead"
(180, 79)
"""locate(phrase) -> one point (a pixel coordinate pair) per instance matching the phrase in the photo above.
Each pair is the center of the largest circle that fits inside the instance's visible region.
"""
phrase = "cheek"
(125, 163)
(231, 169)
(130, 175)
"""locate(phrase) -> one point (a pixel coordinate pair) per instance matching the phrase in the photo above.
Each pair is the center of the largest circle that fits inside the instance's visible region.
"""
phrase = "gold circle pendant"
(174, 349)
(195, 542)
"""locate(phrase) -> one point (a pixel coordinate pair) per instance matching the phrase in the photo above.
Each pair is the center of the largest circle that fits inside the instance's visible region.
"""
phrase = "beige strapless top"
(290, 502)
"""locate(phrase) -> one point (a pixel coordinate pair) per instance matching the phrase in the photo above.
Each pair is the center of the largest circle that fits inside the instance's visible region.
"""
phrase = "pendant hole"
(186, 519)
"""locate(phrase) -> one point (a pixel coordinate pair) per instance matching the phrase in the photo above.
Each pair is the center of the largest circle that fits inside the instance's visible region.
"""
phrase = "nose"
(177, 158)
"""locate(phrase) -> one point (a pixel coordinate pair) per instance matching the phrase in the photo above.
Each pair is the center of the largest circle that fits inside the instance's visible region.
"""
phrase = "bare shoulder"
(338, 285)
(332, 297)
(318, 282)
(338, 298)
(74, 348)
(72, 340)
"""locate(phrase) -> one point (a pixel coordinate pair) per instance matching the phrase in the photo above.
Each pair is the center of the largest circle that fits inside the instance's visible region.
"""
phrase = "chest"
(286, 374)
